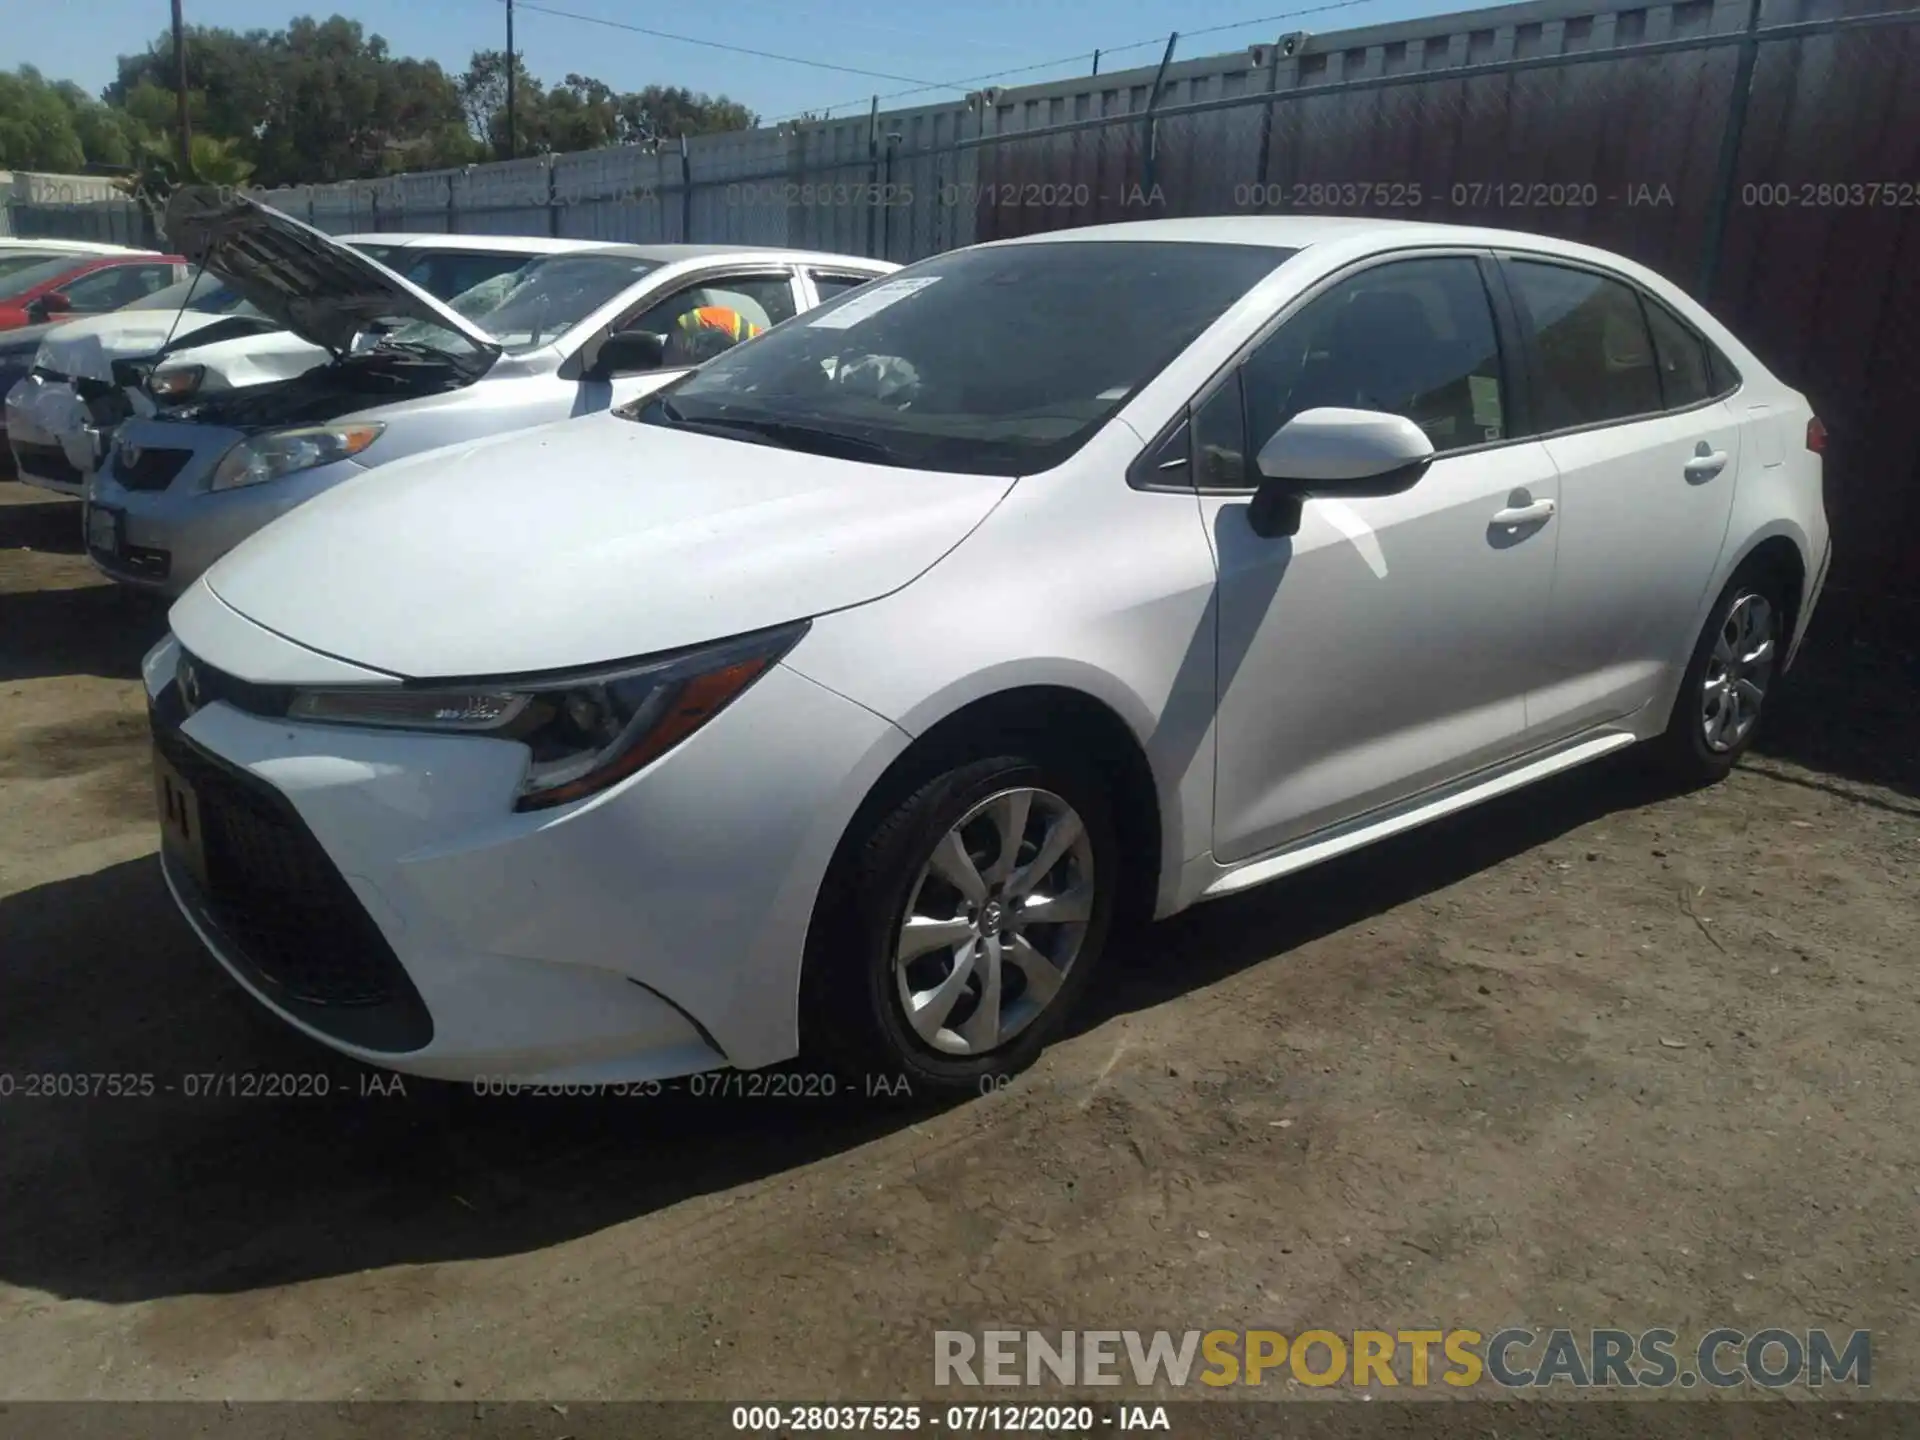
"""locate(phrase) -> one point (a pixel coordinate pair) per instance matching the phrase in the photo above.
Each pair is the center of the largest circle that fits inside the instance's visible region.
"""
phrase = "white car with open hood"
(847, 693)
(571, 334)
(68, 386)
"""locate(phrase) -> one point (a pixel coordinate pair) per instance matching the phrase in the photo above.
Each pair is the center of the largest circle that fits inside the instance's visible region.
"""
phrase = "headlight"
(268, 457)
(584, 731)
(176, 384)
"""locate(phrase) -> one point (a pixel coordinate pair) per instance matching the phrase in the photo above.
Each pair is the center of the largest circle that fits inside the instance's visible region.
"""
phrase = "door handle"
(1705, 463)
(1524, 514)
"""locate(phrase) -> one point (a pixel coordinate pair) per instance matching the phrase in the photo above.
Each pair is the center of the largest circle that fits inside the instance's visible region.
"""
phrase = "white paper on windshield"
(872, 302)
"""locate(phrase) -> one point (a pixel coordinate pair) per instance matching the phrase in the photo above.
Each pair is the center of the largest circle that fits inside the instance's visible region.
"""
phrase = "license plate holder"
(180, 833)
(103, 530)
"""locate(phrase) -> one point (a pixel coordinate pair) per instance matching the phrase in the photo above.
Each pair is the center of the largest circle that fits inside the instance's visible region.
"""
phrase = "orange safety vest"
(723, 318)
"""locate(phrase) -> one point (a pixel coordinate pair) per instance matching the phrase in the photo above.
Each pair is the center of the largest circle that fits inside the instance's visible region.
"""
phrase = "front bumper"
(50, 435)
(654, 930)
(170, 534)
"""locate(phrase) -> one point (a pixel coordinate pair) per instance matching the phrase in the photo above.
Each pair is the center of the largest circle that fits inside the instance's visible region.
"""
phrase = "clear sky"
(79, 39)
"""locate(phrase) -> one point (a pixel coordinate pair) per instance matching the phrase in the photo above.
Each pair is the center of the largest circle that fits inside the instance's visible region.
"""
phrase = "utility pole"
(180, 92)
(511, 149)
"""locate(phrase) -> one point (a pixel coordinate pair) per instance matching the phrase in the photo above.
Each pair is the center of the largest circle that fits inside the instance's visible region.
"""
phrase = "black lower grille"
(149, 469)
(284, 909)
(49, 461)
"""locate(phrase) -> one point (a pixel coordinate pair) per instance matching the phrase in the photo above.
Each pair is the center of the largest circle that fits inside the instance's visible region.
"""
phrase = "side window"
(1413, 338)
(118, 285)
(1220, 440)
(1685, 373)
(831, 287)
(1726, 379)
(700, 320)
(1593, 355)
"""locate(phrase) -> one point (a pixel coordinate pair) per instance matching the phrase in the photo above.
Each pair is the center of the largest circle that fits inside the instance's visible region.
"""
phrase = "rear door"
(1624, 399)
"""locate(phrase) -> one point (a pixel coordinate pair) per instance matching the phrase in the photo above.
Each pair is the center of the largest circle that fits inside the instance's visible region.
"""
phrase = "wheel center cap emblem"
(992, 916)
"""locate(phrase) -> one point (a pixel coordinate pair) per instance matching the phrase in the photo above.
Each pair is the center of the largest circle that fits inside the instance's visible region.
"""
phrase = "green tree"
(483, 102)
(317, 102)
(36, 125)
(322, 101)
(666, 112)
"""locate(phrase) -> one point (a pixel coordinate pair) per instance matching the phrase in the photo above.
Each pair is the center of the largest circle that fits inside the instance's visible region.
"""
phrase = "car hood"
(588, 541)
(86, 349)
(321, 290)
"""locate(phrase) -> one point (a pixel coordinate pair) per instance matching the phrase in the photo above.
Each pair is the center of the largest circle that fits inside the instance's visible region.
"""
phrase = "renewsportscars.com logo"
(1514, 1358)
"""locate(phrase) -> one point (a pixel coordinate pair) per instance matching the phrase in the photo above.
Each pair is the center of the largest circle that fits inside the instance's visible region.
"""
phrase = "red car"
(76, 285)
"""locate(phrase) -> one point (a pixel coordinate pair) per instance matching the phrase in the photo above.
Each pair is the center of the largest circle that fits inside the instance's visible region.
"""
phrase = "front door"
(1389, 646)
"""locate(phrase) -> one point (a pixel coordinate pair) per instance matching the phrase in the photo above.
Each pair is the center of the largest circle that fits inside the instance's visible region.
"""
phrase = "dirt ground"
(1594, 1055)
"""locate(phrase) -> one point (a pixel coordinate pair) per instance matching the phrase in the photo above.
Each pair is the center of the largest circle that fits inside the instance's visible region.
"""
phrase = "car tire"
(867, 980)
(1729, 679)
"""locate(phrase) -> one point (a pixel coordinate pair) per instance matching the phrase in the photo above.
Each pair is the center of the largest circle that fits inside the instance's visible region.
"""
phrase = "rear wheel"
(1728, 680)
(961, 926)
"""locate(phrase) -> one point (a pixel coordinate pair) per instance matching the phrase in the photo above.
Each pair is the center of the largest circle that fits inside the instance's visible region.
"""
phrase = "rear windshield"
(1001, 360)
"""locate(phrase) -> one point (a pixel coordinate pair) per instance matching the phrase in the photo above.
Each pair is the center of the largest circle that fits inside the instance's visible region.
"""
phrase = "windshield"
(206, 292)
(544, 299)
(37, 274)
(1001, 360)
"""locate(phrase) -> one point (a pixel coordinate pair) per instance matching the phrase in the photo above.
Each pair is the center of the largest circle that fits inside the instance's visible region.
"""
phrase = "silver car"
(567, 335)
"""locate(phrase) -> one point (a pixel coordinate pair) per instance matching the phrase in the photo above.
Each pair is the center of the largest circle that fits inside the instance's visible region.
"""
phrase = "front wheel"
(1728, 681)
(963, 925)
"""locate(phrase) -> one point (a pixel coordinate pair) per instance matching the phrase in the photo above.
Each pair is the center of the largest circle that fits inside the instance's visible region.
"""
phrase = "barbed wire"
(1081, 54)
(916, 85)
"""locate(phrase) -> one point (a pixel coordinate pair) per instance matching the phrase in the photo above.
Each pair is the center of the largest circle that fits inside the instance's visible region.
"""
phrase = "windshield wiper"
(786, 434)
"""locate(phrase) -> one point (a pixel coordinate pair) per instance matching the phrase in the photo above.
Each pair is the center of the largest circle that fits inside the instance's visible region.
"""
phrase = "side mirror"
(628, 352)
(47, 306)
(1334, 452)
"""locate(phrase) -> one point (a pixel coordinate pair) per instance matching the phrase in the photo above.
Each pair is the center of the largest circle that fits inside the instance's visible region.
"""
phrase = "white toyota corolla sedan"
(842, 697)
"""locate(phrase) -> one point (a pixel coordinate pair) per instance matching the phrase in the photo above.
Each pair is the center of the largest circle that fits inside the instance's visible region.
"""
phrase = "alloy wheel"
(1738, 672)
(994, 921)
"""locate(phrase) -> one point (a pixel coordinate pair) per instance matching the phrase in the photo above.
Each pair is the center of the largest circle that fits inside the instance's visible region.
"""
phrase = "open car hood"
(316, 287)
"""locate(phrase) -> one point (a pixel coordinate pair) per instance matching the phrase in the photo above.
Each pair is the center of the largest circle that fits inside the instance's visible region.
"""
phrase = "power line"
(1077, 56)
(732, 49)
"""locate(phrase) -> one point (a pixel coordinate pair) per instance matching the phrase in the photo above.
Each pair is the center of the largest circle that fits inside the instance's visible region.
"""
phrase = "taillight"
(1816, 435)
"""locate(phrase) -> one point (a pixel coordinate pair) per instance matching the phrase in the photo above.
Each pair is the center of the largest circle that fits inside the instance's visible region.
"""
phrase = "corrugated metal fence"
(35, 206)
(1764, 153)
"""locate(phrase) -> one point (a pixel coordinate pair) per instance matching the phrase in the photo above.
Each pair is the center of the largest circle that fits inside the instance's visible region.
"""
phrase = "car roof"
(675, 254)
(1299, 232)
(662, 254)
(68, 247)
(507, 244)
